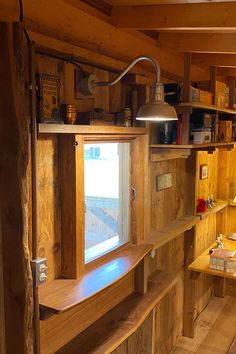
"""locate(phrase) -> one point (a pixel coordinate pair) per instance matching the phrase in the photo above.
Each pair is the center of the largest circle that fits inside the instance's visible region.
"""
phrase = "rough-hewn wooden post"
(15, 191)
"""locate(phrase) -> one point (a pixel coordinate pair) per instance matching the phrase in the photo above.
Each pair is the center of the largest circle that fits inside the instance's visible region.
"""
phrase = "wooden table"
(201, 263)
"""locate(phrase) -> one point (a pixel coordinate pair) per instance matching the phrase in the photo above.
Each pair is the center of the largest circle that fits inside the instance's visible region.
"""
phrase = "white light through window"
(107, 186)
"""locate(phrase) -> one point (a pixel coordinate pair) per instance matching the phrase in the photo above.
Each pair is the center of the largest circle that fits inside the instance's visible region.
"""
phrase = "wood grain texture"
(119, 44)
(87, 129)
(141, 342)
(72, 206)
(164, 235)
(122, 321)
(63, 294)
(15, 190)
(49, 207)
(163, 16)
(58, 330)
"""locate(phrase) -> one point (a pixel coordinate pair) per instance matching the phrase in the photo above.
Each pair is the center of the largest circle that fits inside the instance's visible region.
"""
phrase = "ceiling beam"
(198, 42)
(226, 60)
(207, 16)
(68, 24)
(155, 2)
(227, 72)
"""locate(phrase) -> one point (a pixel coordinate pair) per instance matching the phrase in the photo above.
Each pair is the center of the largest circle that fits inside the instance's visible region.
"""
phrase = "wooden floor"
(214, 331)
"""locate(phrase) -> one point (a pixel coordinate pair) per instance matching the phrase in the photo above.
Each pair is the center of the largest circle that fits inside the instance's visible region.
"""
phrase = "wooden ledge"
(106, 334)
(89, 129)
(63, 294)
(221, 204)
(187, 107)
(163, 235)
(231, 203)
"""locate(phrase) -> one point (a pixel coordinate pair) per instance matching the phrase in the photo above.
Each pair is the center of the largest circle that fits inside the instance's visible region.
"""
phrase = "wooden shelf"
(192, 146)
(89, 129)
(62, 294)
(219, 205)
(188, 107)
(231, 203)
(163, 235)
(201, 263)
(106, 334)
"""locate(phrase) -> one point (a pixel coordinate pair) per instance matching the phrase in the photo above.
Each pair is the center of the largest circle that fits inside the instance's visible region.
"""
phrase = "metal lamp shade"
(158, 111)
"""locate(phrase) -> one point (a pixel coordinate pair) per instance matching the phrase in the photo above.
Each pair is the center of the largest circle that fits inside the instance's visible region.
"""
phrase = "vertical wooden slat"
(72, 203)
(213, 75)
(186, 96)
(141, 276)
(14, 190)
(231, 91)
(189, 285)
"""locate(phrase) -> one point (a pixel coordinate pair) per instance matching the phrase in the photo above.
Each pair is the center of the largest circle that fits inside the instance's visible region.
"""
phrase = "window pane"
(107, 186)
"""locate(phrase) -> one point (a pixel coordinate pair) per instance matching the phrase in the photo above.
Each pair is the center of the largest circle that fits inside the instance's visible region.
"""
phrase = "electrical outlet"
(163, 181)
(39, 271)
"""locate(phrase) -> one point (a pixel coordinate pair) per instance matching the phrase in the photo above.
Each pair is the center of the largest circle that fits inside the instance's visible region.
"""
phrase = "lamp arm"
(135, 61)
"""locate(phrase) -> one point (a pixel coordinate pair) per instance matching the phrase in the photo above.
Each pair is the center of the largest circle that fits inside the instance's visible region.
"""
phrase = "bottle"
(127, 117)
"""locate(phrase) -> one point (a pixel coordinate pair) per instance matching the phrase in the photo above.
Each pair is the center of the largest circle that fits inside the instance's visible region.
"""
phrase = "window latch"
(133, 193)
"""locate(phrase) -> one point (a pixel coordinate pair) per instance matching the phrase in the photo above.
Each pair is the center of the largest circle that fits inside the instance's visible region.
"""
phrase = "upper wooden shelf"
(167, 233)
(219, 205)
(201, 263)
(89, 129)
(106, 334)
(62, 294)
(192, 146)
(231, 203)
(187, 107)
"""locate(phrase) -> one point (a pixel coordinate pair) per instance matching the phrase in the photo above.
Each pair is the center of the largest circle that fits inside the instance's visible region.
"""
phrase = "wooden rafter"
(65, 23)
(224, 60)
(198, 42)
(206, 16)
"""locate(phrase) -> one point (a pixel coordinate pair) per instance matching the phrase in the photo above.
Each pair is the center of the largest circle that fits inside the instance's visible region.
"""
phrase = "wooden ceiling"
(158, 2)
(112, 32)
(204, 27)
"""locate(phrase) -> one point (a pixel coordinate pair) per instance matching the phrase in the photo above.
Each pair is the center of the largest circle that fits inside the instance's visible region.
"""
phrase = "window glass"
(107, 200)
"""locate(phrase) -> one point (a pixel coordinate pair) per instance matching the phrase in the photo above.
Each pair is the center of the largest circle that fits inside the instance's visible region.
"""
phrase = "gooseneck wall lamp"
(156, 110)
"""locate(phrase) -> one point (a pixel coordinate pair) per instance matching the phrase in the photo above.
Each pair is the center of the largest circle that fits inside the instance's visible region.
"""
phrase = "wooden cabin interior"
(107, 222)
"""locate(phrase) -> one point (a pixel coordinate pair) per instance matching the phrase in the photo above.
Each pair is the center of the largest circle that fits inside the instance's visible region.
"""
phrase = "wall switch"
(39, 271)
(163, 181)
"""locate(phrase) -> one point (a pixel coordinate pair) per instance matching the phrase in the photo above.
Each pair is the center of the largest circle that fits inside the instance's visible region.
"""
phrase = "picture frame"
(203, 171)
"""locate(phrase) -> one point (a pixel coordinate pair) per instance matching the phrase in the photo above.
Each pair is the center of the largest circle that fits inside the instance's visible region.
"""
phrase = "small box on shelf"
(225, 131)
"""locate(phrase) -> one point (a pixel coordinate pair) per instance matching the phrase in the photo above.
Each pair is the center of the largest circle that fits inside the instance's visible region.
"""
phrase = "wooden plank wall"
(49, 209)
(167, 206)
(227, 186)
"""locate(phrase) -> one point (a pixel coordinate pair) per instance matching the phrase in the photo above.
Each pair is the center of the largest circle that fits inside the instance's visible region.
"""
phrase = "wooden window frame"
(72, 197)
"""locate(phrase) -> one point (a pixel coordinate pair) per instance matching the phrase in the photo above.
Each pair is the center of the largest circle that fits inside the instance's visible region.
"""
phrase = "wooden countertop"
(201, 263)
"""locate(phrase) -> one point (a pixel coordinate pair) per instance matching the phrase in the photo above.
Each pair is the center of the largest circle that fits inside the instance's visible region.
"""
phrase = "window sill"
(62, 294)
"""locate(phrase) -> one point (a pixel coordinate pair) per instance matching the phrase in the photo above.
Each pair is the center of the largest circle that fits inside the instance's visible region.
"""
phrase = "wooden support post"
(219, 286)
(14, 190)
(213, 75)
(189, 284)
(186, 96)
(231, 91)
(140, 276)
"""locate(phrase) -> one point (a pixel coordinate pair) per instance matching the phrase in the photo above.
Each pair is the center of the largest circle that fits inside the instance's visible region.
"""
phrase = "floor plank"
(215, 329)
